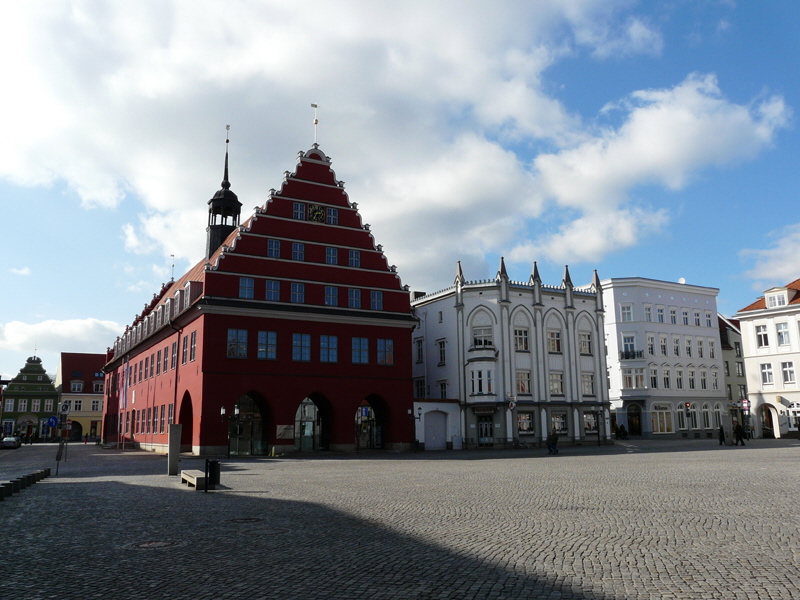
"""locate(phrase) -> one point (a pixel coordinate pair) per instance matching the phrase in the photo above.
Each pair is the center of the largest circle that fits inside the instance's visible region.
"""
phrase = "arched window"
(717, 415)
(706, 416)
(693, 416)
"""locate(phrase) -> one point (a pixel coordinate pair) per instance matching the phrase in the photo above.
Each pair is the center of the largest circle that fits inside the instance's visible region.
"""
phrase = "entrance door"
(485, 431)
(307, 426)
(634, 419)
(246, 432)
(767, 423)
(368, 432)
(435, 431)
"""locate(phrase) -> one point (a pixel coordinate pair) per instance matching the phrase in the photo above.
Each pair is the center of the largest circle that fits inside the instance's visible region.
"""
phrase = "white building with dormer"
(771, 342)
(665, 365)
(498, 363)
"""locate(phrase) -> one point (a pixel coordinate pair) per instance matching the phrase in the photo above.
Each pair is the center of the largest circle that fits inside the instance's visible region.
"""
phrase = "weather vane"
(316, 122)
(172, 256)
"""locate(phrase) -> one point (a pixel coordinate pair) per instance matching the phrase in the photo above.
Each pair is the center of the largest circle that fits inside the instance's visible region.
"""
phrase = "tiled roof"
(761, 303)
(84, 363)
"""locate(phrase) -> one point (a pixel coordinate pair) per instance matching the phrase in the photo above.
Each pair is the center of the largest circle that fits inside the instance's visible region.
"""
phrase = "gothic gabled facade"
(293, 323)
(520, 358)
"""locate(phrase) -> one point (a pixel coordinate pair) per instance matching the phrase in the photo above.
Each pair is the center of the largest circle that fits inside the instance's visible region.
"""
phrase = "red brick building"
(294, 323)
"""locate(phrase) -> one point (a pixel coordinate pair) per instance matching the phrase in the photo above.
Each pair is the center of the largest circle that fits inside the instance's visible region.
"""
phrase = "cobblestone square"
(637, 520)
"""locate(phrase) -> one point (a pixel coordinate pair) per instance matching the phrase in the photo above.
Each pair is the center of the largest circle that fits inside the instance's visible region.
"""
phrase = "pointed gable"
(308, 232)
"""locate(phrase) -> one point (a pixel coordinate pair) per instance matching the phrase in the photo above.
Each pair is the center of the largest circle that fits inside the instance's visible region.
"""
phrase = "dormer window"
(775, 300)
(178, 303)
(76, 387)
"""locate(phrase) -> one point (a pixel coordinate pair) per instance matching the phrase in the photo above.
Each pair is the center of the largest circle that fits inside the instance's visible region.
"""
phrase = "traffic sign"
(64, 409)
(52, 422)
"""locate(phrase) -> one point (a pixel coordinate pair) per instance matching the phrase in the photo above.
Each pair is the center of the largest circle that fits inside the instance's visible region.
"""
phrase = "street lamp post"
(224, 418)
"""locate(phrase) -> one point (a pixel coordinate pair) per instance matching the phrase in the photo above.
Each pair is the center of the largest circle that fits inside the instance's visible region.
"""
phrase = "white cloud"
(777, 265)
(666, 137)
(127, 102)
(635, 36)
(21, 271)
(71, 335)
(591, 236)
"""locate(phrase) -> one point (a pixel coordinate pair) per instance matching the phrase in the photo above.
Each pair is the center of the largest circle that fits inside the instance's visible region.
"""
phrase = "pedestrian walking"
(738, 433)
(552, 442)
(721, 436)
(86, 439)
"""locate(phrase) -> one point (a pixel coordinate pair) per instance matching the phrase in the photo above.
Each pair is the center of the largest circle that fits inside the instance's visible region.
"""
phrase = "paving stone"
(639, 520)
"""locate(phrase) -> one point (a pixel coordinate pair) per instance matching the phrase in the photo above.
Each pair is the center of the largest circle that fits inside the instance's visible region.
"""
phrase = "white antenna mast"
(316, 122)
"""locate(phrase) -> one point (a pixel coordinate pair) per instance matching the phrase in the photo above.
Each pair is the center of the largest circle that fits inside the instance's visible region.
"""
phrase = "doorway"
(307, 426)
(367, 430)
(435, 430)
(246, 429)
(634, 419)
(485, 431)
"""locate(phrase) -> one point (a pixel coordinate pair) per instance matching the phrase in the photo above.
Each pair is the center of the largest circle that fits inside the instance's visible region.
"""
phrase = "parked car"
(11, 442)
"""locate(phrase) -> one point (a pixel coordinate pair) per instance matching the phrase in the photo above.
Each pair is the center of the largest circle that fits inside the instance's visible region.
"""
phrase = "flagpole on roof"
(316, 121)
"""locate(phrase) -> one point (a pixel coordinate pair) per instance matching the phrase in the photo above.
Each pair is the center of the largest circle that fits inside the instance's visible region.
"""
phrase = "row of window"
(25, 378)
(332, 254)
(686, 346)
(482, 338)
(36, 405)
(787, 373)
(481, 383)
(739, 369)
(635, 379)
(664, 416)
(162, 361)
(328, 347)
(314, 212)
(153, 419)
(558, 422)
(781, 334)
(687, 316)
(297, 293)
(742, 391)
(76, 387)
(158, 317)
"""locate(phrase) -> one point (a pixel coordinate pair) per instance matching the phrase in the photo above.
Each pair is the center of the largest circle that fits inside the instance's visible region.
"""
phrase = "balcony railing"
(631, 354)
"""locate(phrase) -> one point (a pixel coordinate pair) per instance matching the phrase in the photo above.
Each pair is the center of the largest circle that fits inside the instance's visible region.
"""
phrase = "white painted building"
(664, 352)
(518, 359)
(771, 342)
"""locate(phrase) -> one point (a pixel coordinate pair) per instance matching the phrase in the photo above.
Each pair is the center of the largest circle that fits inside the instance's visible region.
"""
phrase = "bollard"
(15, 486)
(6, 489)
(47, 472)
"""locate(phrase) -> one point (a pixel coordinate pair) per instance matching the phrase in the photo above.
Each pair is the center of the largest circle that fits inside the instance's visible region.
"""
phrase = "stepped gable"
(329, 219)
(244, 250)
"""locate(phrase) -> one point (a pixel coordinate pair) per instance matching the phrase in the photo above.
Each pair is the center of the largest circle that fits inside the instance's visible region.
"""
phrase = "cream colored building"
(771, 345)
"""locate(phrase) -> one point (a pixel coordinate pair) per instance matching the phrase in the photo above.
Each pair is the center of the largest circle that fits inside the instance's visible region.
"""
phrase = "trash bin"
(212, 466)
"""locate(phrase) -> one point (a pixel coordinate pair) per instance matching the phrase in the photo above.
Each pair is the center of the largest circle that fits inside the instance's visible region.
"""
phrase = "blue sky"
(652, 139)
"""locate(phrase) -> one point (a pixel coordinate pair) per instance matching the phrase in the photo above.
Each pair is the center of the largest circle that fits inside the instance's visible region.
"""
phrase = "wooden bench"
(195, 478)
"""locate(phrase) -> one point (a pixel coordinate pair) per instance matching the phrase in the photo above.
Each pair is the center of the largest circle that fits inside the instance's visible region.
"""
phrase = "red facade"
(295, 325)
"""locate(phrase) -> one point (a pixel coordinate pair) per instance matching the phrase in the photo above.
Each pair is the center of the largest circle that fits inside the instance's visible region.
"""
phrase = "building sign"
(284, 432)
(483, 410)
